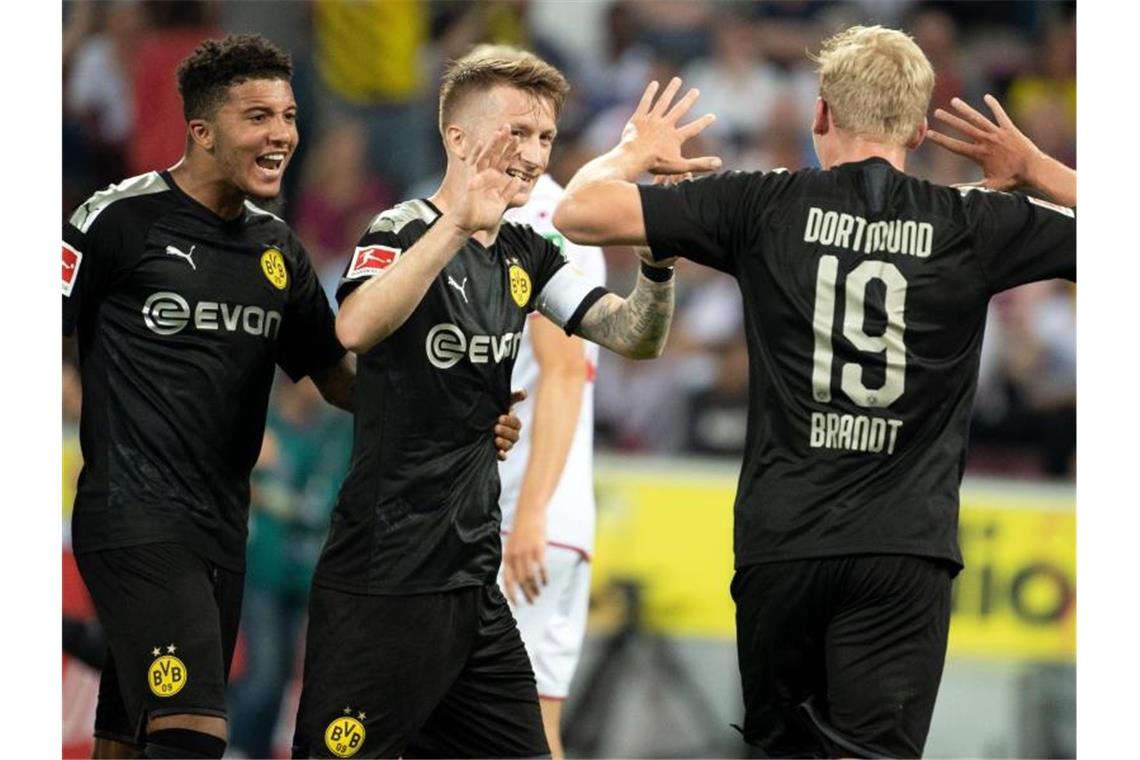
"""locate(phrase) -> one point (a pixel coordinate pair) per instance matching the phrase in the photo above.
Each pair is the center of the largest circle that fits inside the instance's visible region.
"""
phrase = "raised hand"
(488, 187)
(1004, 153)
(653, 136)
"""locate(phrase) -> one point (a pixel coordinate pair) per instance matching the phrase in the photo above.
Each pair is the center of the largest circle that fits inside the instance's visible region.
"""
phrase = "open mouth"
(527, 178)
(271, 161)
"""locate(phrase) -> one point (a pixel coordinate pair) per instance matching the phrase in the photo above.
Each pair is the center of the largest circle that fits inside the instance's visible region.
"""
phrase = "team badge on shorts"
(345, 735)
(273, 264)
(520, 285)
(167, 674)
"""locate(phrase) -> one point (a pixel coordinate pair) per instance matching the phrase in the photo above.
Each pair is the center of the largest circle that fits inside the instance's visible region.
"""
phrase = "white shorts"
(554, 626)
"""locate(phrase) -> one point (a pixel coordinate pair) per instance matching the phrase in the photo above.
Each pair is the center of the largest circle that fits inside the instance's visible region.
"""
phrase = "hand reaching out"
(507, 427)
(653, 135)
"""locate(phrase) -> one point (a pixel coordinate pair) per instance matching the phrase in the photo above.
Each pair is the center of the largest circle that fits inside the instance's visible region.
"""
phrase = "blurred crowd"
(366, 83)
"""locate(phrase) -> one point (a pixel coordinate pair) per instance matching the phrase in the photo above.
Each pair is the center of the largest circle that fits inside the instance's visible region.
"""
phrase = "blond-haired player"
(865, 294)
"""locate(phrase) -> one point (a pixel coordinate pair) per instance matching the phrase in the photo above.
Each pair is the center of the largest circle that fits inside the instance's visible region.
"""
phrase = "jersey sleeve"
(708, 220)
(90, 259)
(308, 340)
(377, 250)
(564, 292)
(1019, 239)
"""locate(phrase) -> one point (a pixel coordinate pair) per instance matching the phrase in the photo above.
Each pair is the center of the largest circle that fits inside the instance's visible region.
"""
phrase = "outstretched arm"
(602, 205)
(1008, 158)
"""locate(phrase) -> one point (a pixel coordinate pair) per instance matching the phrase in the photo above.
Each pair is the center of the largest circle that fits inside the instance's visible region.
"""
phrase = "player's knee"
(183, 743)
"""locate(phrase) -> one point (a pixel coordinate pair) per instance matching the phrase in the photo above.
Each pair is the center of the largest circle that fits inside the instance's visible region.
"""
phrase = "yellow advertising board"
(666, 525)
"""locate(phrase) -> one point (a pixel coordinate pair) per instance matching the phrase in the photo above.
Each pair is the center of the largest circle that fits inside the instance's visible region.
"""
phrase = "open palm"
(487, 187)
(653, 133)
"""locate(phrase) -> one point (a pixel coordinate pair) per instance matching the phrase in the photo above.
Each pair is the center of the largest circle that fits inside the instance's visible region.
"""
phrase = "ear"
(201, 134)
(455, 139)
(820, 121)
(918, 136)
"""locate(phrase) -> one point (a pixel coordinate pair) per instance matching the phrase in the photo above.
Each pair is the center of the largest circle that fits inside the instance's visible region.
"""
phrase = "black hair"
(206, 75)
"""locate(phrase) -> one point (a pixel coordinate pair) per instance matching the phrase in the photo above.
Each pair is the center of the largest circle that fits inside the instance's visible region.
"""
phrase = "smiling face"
(253, 134)
(531, 119)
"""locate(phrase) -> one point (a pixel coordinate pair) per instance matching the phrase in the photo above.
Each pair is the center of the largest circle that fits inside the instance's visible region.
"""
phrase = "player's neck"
(446, 198)
(205, 184)
(855, 149)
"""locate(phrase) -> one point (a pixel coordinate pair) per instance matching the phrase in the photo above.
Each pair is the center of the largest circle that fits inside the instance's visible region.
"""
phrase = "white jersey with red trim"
(570, 514)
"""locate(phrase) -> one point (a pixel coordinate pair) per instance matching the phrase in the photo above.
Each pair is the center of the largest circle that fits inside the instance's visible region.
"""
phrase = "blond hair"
(876, 81)
(489, 65)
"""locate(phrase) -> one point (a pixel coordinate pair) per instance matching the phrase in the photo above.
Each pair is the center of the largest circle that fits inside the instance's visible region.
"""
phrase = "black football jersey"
(865, 294)
(181, 317)
(419, 511)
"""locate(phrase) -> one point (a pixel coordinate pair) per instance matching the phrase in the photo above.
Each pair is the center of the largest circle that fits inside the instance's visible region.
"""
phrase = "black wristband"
(657, 274)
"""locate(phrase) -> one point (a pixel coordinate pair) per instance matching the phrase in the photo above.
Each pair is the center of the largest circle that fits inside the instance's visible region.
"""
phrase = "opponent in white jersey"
(548, 482)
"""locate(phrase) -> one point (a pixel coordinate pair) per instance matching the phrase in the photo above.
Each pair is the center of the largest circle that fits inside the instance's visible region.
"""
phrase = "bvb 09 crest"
(273, 265)
(167, 674)
(520, 285)
(345, 735)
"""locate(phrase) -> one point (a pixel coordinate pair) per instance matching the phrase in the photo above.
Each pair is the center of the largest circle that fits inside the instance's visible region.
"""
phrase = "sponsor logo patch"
(345, 734)
(71, 261)
(167, 313)
(371, 260)
(273, 265)
(167, 675)
(520, 285)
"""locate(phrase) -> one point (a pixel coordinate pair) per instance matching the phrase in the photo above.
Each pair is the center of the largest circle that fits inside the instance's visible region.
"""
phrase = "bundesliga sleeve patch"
(371, 260)
(71, 261)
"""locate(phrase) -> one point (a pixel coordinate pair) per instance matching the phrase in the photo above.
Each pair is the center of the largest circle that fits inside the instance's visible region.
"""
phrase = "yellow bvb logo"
(273, 264)
(166, 676)
(520, 285)
(345, 735)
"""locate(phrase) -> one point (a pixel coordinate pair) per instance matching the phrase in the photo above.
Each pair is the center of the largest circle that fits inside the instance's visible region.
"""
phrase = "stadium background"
(658, 677)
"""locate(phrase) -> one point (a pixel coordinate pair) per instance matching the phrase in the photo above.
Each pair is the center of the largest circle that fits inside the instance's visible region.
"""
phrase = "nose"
(283, 131)
(532, 153)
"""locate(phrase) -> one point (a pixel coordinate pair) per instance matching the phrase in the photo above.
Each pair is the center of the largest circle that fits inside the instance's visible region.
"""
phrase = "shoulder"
(417, 213)
(118, 196)
(517, 237)
(258, 213)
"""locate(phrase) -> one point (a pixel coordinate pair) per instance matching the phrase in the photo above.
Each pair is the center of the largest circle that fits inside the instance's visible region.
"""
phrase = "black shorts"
(841, 656)
(424, 675)
(171, 621)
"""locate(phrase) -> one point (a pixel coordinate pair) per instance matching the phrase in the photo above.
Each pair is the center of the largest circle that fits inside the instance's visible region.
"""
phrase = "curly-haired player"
(185, 295)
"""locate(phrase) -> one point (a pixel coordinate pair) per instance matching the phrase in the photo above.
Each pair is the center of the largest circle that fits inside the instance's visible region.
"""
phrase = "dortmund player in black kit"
(865, 295)
(412, 649)
(185, 295)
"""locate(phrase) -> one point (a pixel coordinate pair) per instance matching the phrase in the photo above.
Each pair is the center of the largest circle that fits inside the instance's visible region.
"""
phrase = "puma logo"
(175, 252)
(451, 281)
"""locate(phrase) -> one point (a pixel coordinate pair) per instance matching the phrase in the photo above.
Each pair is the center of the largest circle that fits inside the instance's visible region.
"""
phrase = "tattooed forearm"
(636, 326)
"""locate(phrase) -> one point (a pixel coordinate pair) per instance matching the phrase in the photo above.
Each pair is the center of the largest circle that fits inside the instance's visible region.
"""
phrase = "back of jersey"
(865, 295)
